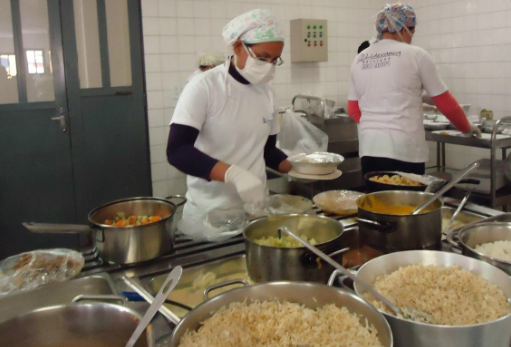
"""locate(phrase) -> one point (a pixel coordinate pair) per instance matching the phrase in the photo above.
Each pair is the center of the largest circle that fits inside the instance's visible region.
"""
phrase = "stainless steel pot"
(74, 325)
(125, 245)
(407, 333)
(467, 239)
(309, 294)
(265, 263)
(400, 232)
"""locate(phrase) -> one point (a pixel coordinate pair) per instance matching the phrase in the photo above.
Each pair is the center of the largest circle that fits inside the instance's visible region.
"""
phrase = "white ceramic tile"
(161, 189)
(185, 26)
(168, 44)
(168, 8)
(184, 9)
(157, 136)
(152, 62)
(149, 8)
(203, 43)
(168, 26)
(173, 173)
(170, 79)
(169, 62)
(202, 26)
(217, 25)
(218, 9)
(158, 153)
(187, 62)
(151, 44)
(167, 115)
(168, 99)
(184, 76)
(201, 9)
(154, 100)
(186, 44)
(153, 81)
(159, 172)
(150, 25)
(233, 9)
(155, 118)
(177, 186)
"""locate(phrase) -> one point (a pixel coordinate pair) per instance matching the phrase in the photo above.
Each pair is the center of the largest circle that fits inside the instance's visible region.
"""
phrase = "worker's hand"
(250, 188)
(474, 131)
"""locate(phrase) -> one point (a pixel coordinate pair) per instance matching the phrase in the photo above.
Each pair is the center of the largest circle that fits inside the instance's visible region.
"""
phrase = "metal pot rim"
(290, 283)
(435, 325)
(140, 198)
(407, 192)
(291, 215)
(468, 231)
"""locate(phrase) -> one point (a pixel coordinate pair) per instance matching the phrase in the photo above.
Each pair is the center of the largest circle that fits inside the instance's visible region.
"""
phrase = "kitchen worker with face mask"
(223, 131)
(385, 97)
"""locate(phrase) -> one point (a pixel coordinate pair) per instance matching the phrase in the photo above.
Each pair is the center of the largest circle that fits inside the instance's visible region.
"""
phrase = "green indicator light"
(314, 27)
(321, 27)
(308, 26)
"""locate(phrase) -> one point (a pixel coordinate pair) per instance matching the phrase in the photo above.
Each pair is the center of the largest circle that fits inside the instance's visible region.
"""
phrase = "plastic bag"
(297, 135)
(29, 270)
(279, 204)
(214, 226)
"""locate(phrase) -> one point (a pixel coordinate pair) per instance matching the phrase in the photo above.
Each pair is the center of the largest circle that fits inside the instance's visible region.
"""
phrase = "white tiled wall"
(470, 42)
(176, 30)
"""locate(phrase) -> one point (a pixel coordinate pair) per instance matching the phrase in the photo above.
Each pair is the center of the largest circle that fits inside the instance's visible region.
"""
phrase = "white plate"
(448, 132)
(331, 176)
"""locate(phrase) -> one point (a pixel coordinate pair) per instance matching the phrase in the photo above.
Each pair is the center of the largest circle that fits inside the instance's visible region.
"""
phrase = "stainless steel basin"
(54, 294)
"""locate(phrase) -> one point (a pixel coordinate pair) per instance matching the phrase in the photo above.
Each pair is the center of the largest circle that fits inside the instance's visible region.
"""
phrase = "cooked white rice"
(499, 249)
(452, 295)
(281, 324)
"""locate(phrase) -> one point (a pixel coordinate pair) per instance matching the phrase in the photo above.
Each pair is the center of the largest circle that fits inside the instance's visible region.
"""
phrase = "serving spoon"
(406, 313)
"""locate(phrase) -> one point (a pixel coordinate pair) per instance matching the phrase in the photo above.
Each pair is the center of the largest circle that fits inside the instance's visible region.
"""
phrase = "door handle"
(61, 119)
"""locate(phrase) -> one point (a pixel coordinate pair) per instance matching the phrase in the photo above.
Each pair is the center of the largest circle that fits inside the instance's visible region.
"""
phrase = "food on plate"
(121, 220)
(274, 323)
(339, 202)
(499, 249)
(395, 180)
(32, 269)
(284, 241)
(372, 204)
(452, 295)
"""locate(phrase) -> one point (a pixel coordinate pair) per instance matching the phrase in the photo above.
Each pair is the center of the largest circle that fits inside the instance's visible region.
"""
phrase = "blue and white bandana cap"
(256, 26)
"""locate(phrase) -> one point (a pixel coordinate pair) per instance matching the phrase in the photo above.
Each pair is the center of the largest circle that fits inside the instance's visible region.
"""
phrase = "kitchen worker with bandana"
(223, 131)
(385, 97)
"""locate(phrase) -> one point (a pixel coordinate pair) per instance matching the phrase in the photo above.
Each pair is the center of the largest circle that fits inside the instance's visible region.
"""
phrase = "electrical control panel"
(309, 40)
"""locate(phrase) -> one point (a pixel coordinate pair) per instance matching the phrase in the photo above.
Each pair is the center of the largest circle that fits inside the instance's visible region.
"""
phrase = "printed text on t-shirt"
(377, 60)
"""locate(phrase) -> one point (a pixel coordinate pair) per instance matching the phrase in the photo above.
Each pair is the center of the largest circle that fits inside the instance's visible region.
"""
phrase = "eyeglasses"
(277, 61)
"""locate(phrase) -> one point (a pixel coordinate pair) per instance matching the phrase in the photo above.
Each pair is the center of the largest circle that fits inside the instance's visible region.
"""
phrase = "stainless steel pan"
(125, 245)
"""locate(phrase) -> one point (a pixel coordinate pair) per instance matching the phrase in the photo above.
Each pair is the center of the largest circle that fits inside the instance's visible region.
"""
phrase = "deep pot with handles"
(125, 245)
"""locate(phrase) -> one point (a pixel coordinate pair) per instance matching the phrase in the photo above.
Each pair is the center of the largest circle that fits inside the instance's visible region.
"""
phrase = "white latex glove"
(474, 131)
(250, 188)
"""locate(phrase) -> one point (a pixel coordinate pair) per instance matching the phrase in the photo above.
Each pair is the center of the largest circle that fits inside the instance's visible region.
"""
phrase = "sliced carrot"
(109, 222)
(155, 218)
(121, 223)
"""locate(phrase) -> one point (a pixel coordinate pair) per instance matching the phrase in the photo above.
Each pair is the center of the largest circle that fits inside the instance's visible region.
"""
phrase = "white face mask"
(255, 71)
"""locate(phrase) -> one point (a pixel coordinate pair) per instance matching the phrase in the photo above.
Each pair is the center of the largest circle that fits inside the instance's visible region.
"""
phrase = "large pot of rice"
(467, 299)
(283, 314)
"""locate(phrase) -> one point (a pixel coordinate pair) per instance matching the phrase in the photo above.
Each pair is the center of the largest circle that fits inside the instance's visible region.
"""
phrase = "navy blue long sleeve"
(272, 155)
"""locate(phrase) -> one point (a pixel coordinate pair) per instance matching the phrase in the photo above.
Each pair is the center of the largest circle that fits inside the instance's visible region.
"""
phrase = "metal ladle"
(163, 293)
(407, 313)
(448, 186)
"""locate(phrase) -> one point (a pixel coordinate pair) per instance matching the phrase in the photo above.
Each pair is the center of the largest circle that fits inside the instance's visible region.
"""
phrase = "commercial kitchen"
(335, 173)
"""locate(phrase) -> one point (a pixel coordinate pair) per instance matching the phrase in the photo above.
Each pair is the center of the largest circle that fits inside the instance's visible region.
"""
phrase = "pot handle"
(384, 227)
(221, 285)
(138, 287)
(102, 298)
(338, 274)
(45, 228)
(179, 204)
(453, 237)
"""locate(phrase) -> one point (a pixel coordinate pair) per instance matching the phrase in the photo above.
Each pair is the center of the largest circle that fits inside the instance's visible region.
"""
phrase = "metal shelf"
(496, 198)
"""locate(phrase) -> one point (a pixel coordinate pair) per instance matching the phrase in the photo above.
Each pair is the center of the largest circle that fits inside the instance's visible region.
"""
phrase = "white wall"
(470, 42)
(176, 30)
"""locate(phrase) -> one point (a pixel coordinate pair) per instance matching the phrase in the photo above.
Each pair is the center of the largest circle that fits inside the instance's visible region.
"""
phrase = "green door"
(74, 128)
(36, 171)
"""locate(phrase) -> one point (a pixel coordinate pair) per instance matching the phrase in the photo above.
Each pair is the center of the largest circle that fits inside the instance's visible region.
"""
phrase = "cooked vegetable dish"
(121, 220)
(395, 180)
(284, 241)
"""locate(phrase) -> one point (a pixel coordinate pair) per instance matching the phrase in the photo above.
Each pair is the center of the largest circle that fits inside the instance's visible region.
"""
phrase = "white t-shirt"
(387, 80)
(234, 121)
